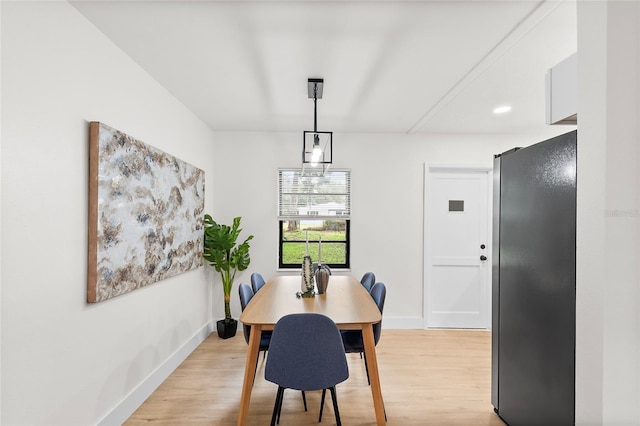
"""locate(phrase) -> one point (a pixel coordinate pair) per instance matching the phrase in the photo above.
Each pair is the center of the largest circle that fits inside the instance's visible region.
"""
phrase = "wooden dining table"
(346, 302)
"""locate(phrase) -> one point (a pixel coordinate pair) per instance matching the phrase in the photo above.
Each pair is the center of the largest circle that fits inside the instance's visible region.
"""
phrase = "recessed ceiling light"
(502, 109)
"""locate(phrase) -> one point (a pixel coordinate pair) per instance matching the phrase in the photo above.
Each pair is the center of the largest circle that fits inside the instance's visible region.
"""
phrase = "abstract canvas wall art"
(145, 214)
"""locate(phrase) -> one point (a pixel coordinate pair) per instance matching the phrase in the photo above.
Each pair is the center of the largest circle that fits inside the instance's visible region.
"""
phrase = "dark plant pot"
(227, 329)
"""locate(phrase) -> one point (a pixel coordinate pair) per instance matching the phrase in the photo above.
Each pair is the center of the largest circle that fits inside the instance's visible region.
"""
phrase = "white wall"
(608, 302)
(0, 221)
(387, 204)
(621, 326)
(590, 274)
(65, 361)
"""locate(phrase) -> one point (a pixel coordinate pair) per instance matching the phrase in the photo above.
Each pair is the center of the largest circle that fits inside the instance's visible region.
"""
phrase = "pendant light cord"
(315, 107)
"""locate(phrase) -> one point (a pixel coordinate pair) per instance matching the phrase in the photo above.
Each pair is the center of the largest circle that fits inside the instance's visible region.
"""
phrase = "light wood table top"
(346, 302)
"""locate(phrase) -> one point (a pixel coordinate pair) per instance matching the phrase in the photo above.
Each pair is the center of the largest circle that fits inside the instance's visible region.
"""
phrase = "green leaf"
(222, 253)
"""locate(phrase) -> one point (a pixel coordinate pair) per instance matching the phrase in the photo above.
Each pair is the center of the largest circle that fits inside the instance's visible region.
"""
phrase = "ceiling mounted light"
(317, 146)
(502, 109)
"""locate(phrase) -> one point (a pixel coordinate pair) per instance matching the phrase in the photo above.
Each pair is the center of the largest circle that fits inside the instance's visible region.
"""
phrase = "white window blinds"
(314, 197)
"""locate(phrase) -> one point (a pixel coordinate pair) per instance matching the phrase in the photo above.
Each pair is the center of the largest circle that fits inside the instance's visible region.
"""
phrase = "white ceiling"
(388, 66)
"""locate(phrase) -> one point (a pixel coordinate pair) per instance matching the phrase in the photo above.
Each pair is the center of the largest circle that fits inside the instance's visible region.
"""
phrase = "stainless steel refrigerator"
(534, 283)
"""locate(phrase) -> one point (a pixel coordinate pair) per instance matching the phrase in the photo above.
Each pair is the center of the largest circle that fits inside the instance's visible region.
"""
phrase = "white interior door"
(457, 264)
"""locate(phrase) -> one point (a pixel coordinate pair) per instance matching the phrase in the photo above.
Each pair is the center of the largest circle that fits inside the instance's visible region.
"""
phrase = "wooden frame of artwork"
(145, 214)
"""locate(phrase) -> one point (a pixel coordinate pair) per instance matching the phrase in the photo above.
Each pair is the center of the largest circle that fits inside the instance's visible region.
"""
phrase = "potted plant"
(227, 257)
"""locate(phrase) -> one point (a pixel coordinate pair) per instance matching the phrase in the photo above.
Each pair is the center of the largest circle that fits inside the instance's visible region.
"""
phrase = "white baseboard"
(403, 323)
(136, 397)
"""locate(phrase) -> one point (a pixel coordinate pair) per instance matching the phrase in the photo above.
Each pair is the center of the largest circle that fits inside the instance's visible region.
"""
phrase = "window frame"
(346, 242)
(285, 214)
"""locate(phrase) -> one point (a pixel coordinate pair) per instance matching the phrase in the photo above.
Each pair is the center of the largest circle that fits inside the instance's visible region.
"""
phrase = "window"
(327, 199)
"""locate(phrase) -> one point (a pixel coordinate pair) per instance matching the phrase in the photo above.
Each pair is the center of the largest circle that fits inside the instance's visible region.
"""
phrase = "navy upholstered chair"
(368, 280)
(246, 293)
(256, 282)
(352, 339)
(306, 353)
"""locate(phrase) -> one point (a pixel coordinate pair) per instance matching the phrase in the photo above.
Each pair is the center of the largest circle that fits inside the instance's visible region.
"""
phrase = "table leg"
(249, 373)
(372, 363)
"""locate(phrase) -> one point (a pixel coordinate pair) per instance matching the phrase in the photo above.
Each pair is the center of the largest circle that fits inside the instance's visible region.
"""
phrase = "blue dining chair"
(368, 280)
(256, 282)
(352, 339)
(246, 294)
(306, 353)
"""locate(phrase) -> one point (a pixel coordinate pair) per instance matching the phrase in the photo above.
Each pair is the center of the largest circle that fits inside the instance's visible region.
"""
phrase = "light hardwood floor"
(428, 377)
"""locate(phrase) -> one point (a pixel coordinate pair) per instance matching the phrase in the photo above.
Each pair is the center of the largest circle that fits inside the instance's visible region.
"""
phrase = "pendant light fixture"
(317, 146)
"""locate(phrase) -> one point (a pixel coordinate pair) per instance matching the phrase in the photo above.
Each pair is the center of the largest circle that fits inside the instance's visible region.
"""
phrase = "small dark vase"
(322, 279)
(227, 329)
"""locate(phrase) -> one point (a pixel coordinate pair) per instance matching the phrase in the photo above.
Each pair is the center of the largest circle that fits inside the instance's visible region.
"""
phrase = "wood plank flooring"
(429, 377)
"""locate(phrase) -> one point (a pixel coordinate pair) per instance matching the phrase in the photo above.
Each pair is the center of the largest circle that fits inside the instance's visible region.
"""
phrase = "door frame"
(453, 168)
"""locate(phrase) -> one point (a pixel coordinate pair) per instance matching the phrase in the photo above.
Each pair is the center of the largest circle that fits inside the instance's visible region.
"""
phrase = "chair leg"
(280, 405)
(279, 399)
(366, 367)
(335, 405)
(324, 392)
(276, 406)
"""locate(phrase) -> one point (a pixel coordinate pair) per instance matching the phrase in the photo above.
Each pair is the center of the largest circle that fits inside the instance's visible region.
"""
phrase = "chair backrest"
(379, 294)
(368, 280)
(256, 282)
(246, 293)
(306, 353)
